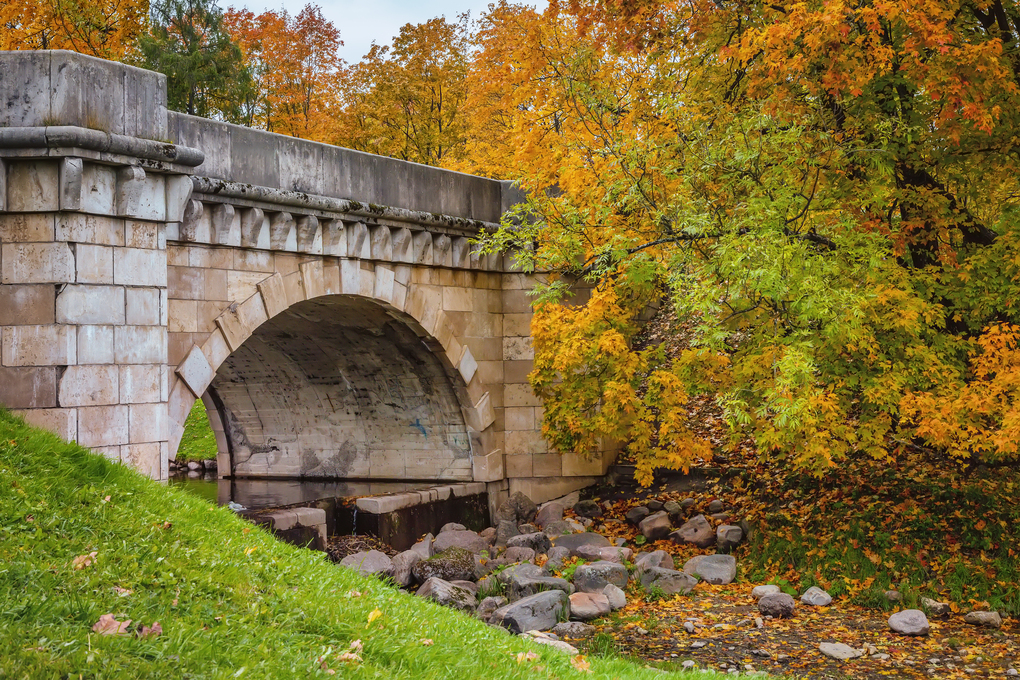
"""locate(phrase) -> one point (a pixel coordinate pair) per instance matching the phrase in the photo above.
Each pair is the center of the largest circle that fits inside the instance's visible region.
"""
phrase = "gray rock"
(518, 553)
(656, 559)
(523, 586)
(573, 630)
(453, 564)
(656, 526)
(716, 506)
(369, 562)
(518, 509)
(402, 565)
(728, 537)
(466, 540)
(587, 606)
(560, 527)
(715, 569)
(654, 505)
(537, 541)
(467, 585)
(636, 514)
(209, 465)
(985, 619)
(687, 503)
(549, 640)
(935, 608)
(617, 598)
(587, 509)
(447, 594)
(194, 465)
(548, 513)
(594, 553)
(697, 530)
(909, 622)
(673, 509)
(761, 591)
(669, 581)
(556, 557)
(837, 650)
(540, 611)
(574, 541)
(488, 606)
(525, 570)
(816, 597)
(720, 516)
(506, 530)
(453, 526)
(490, 586)
(777, 605)
(488, 535)
(593, 578)
(424, 547)
(893, 596)
(528, 528)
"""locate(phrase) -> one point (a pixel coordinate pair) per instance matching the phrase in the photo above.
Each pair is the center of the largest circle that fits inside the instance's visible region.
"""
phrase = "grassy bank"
(231, 600)
(198, 442)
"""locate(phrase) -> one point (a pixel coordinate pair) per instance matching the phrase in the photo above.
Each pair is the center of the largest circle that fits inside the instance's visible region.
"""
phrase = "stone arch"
(357, 287)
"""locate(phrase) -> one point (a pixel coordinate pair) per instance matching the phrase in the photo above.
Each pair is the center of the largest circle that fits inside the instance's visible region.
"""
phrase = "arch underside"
(341, 387)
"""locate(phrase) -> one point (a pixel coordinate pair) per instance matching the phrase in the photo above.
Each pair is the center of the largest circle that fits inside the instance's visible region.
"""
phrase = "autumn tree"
(101, 28)
(827, 191)
(405, 100)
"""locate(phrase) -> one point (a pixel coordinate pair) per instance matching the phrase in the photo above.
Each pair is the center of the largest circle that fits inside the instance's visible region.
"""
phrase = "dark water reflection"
(265, 493)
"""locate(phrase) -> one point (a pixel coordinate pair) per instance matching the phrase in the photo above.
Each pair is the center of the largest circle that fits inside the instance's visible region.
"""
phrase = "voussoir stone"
(656, 526)
(537, 541)
(759, 592)
(402, 565)
(465, 540)
(594, 577)
(587, 606)
(574, 541)
(697, 530)
(540, 611)
(909, 622)
(986, 619)
(669, 581)
(838, 650)
(715, 569)
(518, 509)
(369, 562)
(816, 597)
(448, 594)
(777, 605)
(548, 513)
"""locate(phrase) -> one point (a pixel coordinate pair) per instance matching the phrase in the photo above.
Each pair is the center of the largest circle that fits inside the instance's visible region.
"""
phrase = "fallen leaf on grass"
(108, 625)
(82, 561)
(580, 664)
(427, 642)
(526, 656)
(147, 632)
(373, 615)
(123, 592)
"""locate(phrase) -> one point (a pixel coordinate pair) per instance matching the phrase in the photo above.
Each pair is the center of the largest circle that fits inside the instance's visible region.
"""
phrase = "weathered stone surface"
(521, 586)
(466, 585)
(673, 509)
(573, 630)
(669, 581)
(759, 592)
(816, 597)
(452, 564)
(549, 640)
(909, 622)
(540, 611)
(556, 557)
(447, 594)
(453, 526)
(454, 538)
(594, 553)
(716, 506)
(518, 509)
(697, 530)
(369, 562)
(637, 513)
(587, 508)
(537, 541)
(594, 577)
(488, 535)
(528, 528)
(656, 526)
(574, 541)
(728, 537)
(714, 569)
(560, 527)
(587, 606)
(424, 547)
(654, 505)
(518, 554)
(984, 619)
(617, 598)
(935, 608)
(656, 559)
(402, 565)
(522, 570)
(488, 606)
(777, 605)
(839, 651)
(505, 530)
(548, 513)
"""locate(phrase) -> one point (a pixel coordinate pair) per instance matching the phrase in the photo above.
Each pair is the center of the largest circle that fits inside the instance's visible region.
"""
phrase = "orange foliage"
(101, 28)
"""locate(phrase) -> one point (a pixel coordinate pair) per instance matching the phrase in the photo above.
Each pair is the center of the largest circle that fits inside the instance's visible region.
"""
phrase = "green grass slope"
(231, 600)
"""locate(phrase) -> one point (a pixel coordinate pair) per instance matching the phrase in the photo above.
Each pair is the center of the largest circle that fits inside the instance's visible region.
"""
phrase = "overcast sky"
(363, 21)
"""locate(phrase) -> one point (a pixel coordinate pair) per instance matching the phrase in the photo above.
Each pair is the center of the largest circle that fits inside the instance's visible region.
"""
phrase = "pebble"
(689, 664)
(758, 623)
(689, 627)
(698, 645)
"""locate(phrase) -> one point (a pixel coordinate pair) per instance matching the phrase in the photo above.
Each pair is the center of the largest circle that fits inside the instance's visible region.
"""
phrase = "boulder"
(687, 503)
(560, 527)
(523, 586)
(453, 526)
(456, 538)
(540, 611)
(369, 562)
(402, 565)
(728, 537)
(636, 514)
(518, 554)
(839, 651)
(549, 640)
(761, 591)
(777, 605)
(527, 528)
(548, 513)
(593, 578)
(525, 570)
(669, 581)
(488, 535)
(594, 553)
(935, 608)
(587, 606)
(589, 509)
(816, 597)
(715, 569)
(715, 506)
(467, 585)
(453, 564)
(488, 606)
(537, 541)
(447, 594)
(617, 598)
(697, 530)
(574, 630)
(909, 622)
(985, 619)
(518, 509)
(574, 541)
(505, 530)
(556, 557)
(892, 596)
(424, 547)
(673, 509)
(659, 559)
(654, 505)
(656, 526)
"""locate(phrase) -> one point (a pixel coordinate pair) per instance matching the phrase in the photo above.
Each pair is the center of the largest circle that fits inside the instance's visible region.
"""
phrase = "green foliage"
(198, 441)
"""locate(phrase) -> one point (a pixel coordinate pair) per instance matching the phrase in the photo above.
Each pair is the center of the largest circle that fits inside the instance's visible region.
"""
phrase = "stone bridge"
(325, 304)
